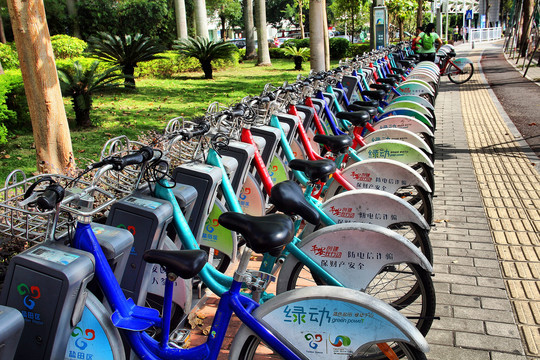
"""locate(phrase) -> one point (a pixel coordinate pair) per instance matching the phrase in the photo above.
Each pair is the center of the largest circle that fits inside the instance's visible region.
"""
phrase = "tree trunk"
(262, 35)
(223, 23)
(72, 13)
(420, 13)
(316, 35)
(301, 19)
(2, 33)
(49, 122)
(1, 69)
(326, 38)
(352, 27)
(251, 52)
(181, 21)
(400, 26)
(298, 62)
(200, 18)
(82, 113)
(487, 12)
(207, 68)
(528, 10)
(129, 82)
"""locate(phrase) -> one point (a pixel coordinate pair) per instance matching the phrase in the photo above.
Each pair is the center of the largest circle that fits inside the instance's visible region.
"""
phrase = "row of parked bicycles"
(330, 178)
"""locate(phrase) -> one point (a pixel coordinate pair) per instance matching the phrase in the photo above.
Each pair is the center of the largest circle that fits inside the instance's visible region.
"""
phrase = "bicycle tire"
(468, 70)
(419, 198)
(410, 286)
(253, 349)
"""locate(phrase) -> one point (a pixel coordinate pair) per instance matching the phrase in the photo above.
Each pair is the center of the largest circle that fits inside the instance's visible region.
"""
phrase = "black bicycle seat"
(374, 94)
(390, 80)
(262, 233)
(383, 87)
(372, 103)
(183, 263)
(335, 143)
(372, 111)
(315, 170)
(357, 118)
(288, 198)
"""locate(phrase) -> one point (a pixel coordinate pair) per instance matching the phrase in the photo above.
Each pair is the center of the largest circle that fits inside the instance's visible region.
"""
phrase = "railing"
(487, 34)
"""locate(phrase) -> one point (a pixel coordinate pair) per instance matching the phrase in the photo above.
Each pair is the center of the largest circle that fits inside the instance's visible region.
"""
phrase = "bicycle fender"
(398, 134)
(395, 150)
(216, 236)
(460, 62)
(403, 122)
(423, 75)
(413, 105)
(421, 82)
(372, 207)
(414, 98)
(380, 174)
(374, 246)
(330, 318)
(407, 112)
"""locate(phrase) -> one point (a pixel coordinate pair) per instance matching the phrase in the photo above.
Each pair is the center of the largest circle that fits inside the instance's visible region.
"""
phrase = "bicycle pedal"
(179, 338)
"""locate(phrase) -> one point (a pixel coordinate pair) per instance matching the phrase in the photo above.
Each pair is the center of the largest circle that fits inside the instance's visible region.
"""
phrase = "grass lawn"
(150, 107)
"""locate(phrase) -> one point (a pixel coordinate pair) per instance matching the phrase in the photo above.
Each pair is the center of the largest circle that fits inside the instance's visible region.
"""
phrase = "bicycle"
(325, 312)
(459, 70)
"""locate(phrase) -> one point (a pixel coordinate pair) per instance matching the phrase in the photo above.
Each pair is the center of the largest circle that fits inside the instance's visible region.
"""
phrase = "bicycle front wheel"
(254, 349)
(461, 76)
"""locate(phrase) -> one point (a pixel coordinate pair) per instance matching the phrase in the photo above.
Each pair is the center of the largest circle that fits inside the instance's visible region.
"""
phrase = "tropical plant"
(80, 84)
(205, 51)
(298, 54)
(124, 51)
(65, 46)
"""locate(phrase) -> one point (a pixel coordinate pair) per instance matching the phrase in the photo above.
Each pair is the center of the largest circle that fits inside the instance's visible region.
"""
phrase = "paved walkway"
(485, 236)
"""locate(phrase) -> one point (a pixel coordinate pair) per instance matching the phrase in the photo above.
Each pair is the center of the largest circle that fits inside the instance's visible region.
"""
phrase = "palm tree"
(79, 84)
(205, 51)
(124, 51)
(298, 55)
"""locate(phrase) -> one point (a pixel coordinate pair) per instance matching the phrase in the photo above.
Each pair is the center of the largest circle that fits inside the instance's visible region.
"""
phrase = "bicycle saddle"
(383, 87)
(315, 170)
(372, 111)
(371, 103)
(183, 263)
(357, 118)
(390, 80)
(336, 143)
(288, 198)
(262, 233)
(374, 94)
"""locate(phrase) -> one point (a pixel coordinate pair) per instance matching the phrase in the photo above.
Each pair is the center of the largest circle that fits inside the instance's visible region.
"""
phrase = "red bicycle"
(459, 70)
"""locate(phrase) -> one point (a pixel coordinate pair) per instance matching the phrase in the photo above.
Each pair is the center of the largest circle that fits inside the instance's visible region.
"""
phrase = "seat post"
(239, 274)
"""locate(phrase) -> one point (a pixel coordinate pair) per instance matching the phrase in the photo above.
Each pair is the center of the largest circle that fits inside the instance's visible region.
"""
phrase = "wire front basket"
(23, 222)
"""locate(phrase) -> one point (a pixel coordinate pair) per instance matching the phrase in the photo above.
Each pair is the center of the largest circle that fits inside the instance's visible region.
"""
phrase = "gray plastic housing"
(11, 327)
(243, 153)
(116, 244)
(147, 219)
(46, 283)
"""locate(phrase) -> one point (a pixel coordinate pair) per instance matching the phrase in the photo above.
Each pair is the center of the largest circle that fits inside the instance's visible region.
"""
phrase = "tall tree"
(201, 20)
(72, 13)
(316, 35)
(2, 33)
(351, 9)
(262, 34)
(401, 10)
(229, 13)
(528, 11)
(181, 21)
(419, 13)
(249, 28)
(50, 127)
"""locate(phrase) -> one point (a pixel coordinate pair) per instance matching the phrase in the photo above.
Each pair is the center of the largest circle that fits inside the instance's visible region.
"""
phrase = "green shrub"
(14, 113)
(298, 43)
(66, 65)
(5, 113)
(65, 46)
(358, 49)
(9, 57)
(338, 48)
(277, 53)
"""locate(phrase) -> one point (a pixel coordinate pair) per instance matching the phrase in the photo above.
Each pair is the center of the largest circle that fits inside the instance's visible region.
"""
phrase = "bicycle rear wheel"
(459, 77)
(254, 349)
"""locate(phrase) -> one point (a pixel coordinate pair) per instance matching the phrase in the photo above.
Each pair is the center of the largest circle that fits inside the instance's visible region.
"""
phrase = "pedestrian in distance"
(429, 43)
(414, 44)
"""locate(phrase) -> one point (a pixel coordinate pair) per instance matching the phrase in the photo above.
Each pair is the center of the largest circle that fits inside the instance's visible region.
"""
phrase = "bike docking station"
(11, 327)
(47, 284)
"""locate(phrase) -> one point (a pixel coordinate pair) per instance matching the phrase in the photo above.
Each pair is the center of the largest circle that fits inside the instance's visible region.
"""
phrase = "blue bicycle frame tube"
(216, 281)
(345, 97)
(329, 115)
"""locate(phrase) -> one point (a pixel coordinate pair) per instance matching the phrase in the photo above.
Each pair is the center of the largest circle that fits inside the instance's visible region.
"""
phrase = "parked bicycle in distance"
(459, 70)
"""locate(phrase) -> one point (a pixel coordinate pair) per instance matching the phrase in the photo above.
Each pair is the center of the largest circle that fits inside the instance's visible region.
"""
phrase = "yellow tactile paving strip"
(510, 187)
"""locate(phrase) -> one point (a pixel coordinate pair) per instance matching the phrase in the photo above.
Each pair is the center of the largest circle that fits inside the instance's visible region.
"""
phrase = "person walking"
(429, 43)
(414, 44)
(456, 33)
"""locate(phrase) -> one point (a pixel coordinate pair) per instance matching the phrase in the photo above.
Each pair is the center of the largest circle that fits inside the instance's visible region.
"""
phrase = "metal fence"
(486, 34)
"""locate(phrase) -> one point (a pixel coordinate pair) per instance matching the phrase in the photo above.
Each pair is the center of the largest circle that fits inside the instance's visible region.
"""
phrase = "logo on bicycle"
(29, 294)
(244, 193)
(211, 225)
(83, 337)
(130, 228)
(341, 340)
(314, 340)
